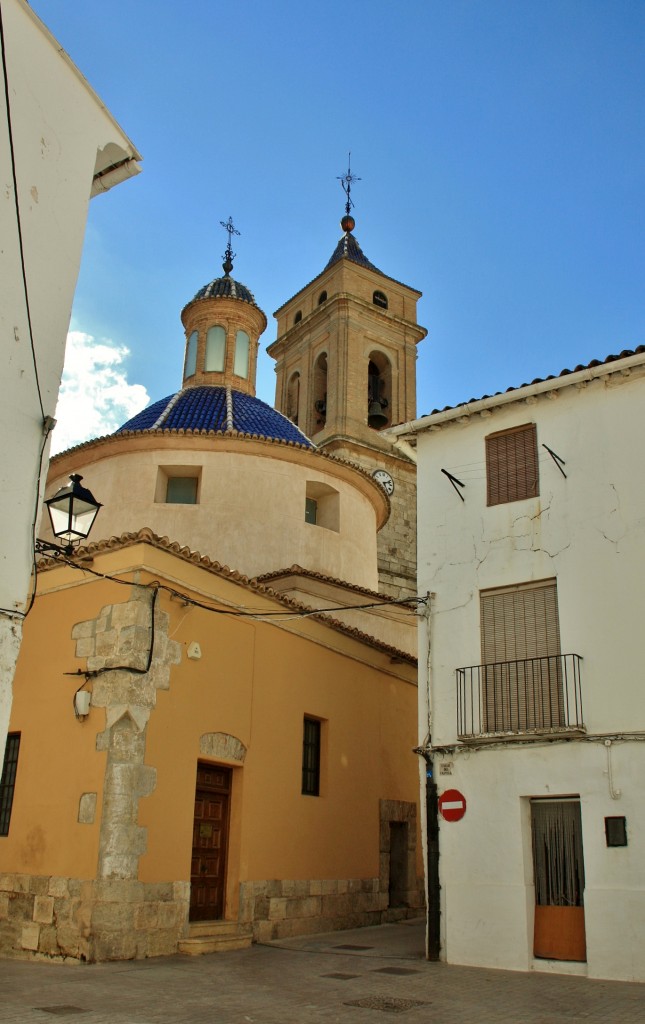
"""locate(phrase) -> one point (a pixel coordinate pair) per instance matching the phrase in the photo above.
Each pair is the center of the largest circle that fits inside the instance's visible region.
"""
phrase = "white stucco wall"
(588, 532)
(486, 862)
(62, 137)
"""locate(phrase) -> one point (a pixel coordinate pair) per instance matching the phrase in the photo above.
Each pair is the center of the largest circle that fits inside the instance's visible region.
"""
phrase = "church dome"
(225, 288)
(211, 408)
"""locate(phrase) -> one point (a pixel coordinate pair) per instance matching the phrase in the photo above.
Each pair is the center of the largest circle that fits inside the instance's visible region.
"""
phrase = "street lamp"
(72, 511)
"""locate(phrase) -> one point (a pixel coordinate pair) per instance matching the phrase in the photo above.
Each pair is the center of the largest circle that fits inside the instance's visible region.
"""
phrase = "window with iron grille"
(8, 781)
(311, 757)
(512, 465)
(522, 671)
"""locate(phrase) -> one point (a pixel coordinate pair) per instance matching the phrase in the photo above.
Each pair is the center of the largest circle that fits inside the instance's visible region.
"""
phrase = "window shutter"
(512, 465)
(520, 622)
(522, 675)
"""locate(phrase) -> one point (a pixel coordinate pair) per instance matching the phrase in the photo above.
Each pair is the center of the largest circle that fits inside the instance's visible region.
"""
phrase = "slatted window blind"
(520, 651)
(512, 465)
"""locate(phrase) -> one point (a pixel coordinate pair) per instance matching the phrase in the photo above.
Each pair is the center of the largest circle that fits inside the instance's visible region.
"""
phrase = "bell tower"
(346, 369)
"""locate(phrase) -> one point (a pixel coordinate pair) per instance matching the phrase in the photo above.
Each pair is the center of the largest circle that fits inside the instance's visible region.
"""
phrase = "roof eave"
(329, 270)
(585, 375)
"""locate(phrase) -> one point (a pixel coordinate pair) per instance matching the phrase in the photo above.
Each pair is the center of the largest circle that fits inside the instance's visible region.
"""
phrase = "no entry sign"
(452, 805)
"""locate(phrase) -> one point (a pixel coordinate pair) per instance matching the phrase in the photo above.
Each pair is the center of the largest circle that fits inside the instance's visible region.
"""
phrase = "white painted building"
(531, 541)
(59, 146)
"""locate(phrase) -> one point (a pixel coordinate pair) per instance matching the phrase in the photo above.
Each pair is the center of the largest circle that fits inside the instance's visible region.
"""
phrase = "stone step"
(215, 937)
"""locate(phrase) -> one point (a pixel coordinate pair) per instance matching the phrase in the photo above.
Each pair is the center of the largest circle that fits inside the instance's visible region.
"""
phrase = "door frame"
(559, 931)
(227, 769)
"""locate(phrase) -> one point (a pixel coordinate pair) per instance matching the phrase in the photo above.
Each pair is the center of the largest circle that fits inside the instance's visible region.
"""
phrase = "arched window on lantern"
(293, 397)
(319, 417)
(380, 299)
(191, 355)
(322, 298)
(215, 349)
(379, 391)
(241, 362)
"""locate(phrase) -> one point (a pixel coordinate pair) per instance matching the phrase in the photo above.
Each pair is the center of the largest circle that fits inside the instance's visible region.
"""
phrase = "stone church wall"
(282, 908)
(42, 916)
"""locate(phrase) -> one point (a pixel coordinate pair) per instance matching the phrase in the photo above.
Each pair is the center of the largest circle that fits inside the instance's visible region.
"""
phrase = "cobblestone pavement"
(364, 977)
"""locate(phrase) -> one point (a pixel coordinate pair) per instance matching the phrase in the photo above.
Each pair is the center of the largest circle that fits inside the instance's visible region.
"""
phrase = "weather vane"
(229, 255)
(346, 183)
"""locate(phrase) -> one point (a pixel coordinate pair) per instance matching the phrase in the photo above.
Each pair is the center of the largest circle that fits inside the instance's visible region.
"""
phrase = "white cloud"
(95, 397)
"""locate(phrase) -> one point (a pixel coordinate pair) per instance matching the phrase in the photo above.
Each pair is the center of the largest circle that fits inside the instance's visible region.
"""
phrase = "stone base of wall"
(280, 909)
(45, 917)
(68, 919)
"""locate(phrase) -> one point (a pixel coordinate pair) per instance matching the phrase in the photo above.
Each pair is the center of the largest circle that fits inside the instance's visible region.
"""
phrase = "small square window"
(178, 485)
(8, 780)
(311, 757)
(322, 505)
(616, 831)
(182, 490)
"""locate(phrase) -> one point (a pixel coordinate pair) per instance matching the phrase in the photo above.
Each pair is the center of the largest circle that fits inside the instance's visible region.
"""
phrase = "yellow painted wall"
(255, 680)
(58, 761)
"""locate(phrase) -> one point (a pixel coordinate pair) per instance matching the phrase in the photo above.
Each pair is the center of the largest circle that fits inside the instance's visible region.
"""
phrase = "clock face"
(383, 478)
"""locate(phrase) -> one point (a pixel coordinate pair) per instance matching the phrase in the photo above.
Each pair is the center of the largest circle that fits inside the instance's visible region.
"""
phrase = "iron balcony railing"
(531, 695)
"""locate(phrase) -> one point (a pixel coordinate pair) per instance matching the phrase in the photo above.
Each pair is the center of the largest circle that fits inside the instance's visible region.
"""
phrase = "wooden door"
(558, 865)
(210, 840)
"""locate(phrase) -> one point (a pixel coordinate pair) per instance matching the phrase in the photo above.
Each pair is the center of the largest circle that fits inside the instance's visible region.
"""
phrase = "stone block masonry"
(47, 917)
(279, 909)
(113, 916)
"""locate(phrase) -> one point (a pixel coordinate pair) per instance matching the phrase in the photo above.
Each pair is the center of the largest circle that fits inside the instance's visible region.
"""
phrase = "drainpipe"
(433, 932)
(433, 888)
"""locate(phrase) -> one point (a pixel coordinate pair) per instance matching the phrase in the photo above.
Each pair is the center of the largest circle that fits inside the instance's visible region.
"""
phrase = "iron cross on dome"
(229, 255)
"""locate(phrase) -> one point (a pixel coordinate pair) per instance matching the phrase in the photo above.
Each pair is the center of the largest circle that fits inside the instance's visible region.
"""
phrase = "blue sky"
(501, 147)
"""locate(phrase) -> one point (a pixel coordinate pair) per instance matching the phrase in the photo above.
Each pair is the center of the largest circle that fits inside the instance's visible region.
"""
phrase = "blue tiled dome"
(225, 288)
(205, 408)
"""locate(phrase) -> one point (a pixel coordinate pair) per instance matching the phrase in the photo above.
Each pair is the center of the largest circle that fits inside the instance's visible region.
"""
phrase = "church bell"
(376, 419)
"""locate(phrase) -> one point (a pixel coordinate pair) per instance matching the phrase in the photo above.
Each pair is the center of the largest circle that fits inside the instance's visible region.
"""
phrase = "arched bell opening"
(379, 391)
(293, 397)
(320, 393)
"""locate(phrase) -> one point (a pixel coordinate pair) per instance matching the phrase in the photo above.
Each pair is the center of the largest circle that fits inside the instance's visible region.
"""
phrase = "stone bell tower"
(346, 369)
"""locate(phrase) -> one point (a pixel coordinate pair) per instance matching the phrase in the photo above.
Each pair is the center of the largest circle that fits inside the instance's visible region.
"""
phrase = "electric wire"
(92, 673)
(17, 207)
(34, 524)
(12, 152)
(258, 614)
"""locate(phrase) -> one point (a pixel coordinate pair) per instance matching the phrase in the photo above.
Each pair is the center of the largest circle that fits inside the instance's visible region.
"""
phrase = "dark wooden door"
(210, 839)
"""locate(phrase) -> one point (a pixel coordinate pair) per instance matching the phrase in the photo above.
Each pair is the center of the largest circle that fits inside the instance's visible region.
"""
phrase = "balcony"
(509, 698)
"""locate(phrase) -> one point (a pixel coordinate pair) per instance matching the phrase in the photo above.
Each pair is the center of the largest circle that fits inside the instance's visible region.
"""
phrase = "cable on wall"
(410, 602)
(17, 208)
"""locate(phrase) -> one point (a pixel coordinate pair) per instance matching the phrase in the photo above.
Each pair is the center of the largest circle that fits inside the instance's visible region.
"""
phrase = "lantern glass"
(72, 511)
